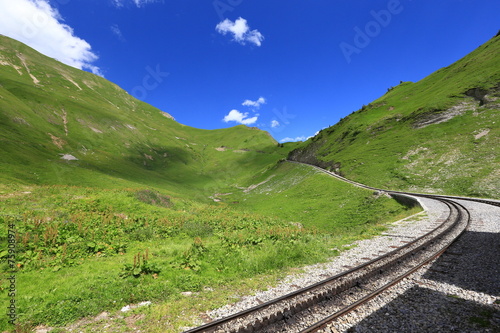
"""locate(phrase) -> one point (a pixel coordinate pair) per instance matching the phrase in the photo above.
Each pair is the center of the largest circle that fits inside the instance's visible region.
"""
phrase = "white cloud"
(115, 29)
(117, 3)
(275, 123)
(299, 138)
(241, 31)
(255, 104)
(140, 3)
(37, 24)
(240, 118)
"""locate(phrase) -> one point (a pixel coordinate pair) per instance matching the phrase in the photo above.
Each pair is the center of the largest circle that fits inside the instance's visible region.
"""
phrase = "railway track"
(312, 308)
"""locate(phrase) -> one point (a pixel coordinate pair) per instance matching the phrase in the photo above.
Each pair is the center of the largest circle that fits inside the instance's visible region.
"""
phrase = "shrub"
(140, 268)
(153, 198)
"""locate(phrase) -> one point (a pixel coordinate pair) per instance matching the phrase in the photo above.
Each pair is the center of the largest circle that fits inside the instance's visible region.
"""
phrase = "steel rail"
(212, 326)
(432, 196)
(327, 320)
(216, 324)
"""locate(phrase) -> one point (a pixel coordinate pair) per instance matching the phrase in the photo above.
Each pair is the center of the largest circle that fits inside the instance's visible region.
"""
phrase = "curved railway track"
(311, 308)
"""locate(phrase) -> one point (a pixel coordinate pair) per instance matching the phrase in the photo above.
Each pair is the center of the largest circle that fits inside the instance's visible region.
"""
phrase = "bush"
(153, 198)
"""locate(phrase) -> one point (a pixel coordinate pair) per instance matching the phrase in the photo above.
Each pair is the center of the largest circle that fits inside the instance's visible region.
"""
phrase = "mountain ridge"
(49, 110)
(399, 141)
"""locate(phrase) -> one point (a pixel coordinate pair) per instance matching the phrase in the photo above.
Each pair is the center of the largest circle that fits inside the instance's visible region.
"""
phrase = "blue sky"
(289, 67)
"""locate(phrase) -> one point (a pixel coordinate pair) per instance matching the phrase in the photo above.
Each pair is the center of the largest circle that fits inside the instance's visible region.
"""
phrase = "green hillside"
(112, 202)
(49, 110)
(438, 135)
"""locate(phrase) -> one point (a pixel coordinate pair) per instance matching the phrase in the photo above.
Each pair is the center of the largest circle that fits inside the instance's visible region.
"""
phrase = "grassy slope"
(382, 144)
(124, 146)
(73, 243)
(291, 193)
(117, 139)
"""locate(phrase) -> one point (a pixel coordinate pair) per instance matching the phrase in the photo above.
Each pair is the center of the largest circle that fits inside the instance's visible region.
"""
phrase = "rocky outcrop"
(168, 115)
(478, 94)
(308, 155)
(484, 96)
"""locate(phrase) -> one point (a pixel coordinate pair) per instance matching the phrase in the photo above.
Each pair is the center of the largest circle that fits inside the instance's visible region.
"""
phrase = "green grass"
(118, 140)
(381, 144)
(74, 244)
(301, 194)
(143, 187)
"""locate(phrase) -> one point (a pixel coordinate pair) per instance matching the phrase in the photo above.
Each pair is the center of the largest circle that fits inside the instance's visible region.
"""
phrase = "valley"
(114, 203)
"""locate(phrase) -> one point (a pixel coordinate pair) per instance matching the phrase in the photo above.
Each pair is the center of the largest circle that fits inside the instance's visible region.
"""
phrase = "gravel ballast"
(457, 292)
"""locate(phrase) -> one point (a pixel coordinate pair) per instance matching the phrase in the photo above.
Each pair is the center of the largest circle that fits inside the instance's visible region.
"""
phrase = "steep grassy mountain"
(440, 135)
(60, 125)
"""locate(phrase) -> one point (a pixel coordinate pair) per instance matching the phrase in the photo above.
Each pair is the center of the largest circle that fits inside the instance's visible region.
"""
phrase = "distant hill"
(438, 135)
(61, 125)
